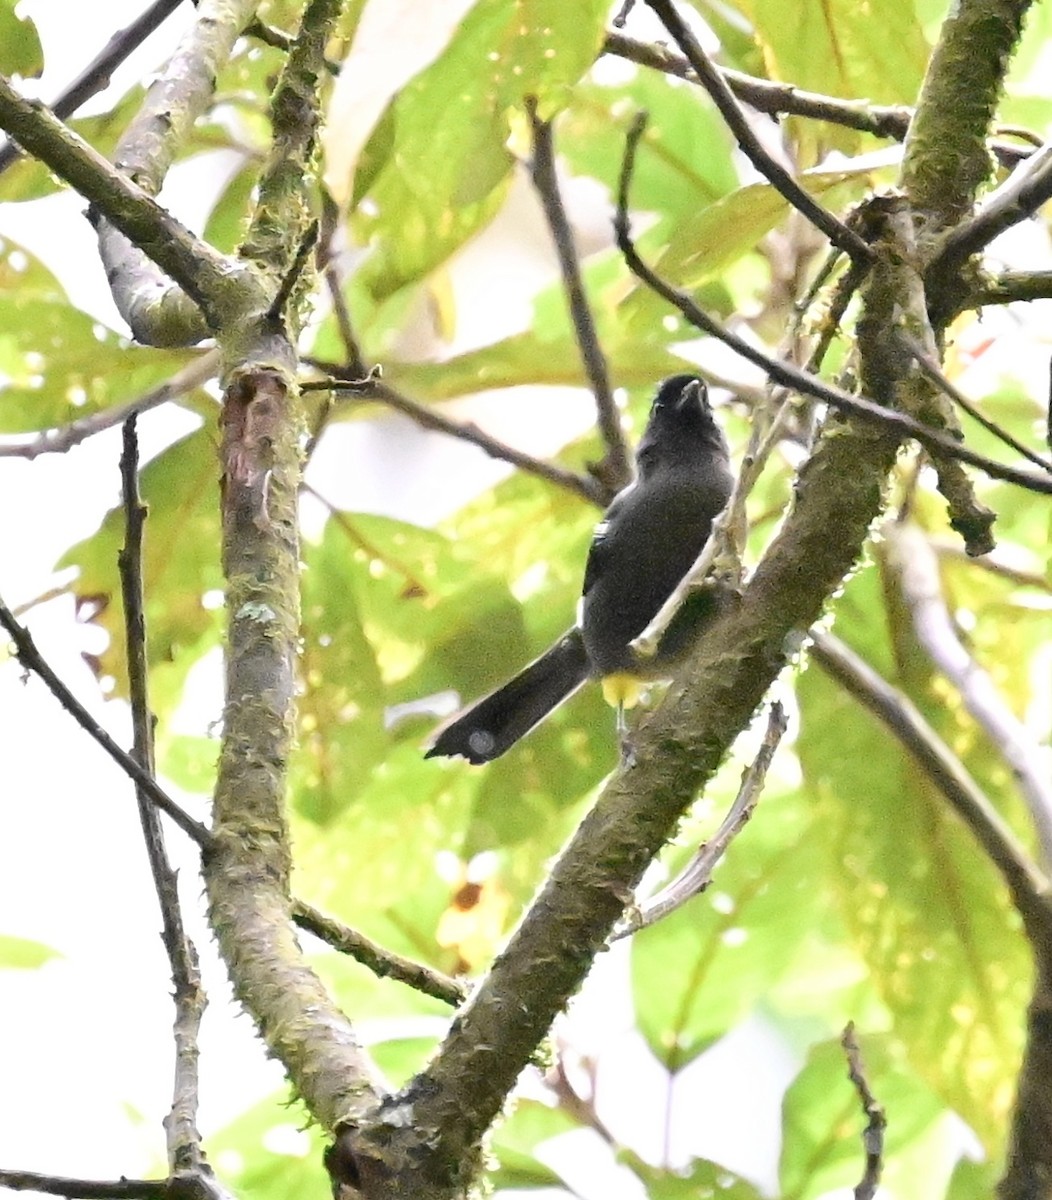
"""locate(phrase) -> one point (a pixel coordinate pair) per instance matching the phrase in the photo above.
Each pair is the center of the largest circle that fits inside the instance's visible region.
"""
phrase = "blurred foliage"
(854, 893)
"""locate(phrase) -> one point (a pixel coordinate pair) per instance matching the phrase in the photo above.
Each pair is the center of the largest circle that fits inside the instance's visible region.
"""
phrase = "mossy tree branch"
(159, 312)
(247, 868)
(208, 276)
(681, 745)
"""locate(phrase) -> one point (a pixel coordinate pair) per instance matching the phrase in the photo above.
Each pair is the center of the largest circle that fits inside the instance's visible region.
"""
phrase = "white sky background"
(89, 1034)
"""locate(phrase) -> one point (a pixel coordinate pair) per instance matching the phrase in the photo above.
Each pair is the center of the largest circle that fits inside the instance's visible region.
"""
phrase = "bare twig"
(916, 563)
(767, 97)
(184, 1139)
(96, 75)
(697, 874)
(616, 468)
(31, 658)
(85, 1189)
(293, 275)
(383, 963)
(788, 375)
(1026, 884)
(774, 99)
(876, 1122)
(931, 370)
(270, 35)
(779, 178)
(64, 437)
(466, 431)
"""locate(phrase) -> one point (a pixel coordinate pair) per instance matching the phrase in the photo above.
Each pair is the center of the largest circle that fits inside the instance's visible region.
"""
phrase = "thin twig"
(788, 375)
(98, 73)
(64, 437)
(779, 178)
(615, 471)
(917, 566)
(950, 548)
(932, 372)
(773, 99)
(373, 389)
(294, 273)
(876, 1122)
(383, 963)
(184, 1139)
(31, 658)
(1027, 885)
(270, 35)
(85, 1189)
(697, 874)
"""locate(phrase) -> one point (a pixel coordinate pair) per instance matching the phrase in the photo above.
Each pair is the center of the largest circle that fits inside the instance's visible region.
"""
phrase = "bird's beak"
(694, 393)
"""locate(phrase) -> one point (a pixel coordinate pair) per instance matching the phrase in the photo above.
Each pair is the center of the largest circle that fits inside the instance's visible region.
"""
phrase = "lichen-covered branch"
(427, 1137)
(247, 868)
(946, 157)
(890, 121)
(157, 311)
(206, 275)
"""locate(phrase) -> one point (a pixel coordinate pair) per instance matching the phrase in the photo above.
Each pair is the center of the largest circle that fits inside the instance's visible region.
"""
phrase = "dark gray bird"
(648, 539)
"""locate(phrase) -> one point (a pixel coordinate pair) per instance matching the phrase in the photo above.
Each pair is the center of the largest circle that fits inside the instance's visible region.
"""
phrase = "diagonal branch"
(934, 374)
(1026, 884)
(616, 468)
(31, 658)
(384, 964)
(157, 312)
(184, 1139)
(780, 179)
(697, 874)
(64, 437)
(1020, 196)
(792, 377)
(87, 1189)
(916, 563)
(204, 273)
(774, 99)
(372, 388)
(96, 75)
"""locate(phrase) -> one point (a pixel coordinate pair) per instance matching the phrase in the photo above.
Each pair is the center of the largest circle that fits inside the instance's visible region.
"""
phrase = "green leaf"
(822, 1147)
(876, 50)
(720, 234)
(702, 1179)
(271, 1152)
(180, 569)
(525, 359)
(701, 970)
(58, 364)
(515, 1142)
(684, 159)
(23, 955)
(227, 220)
(20, 50)
(924, 906)
(433, 183)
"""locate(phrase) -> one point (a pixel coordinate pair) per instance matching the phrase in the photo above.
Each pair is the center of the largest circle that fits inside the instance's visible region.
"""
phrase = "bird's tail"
(497, 721)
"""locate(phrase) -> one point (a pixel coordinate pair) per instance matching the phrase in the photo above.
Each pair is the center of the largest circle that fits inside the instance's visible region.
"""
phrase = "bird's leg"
(624, 739)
